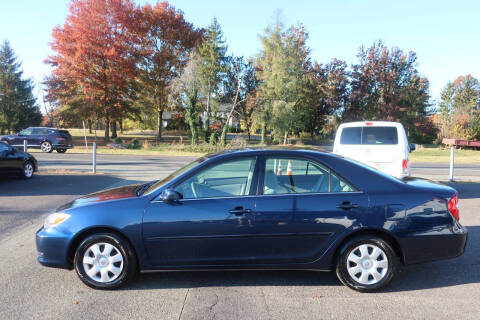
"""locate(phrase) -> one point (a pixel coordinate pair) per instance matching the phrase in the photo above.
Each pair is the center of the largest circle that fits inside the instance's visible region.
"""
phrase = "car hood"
(102, 196)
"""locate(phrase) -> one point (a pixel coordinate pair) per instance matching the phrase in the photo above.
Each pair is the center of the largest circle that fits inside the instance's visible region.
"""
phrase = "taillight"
(405, 165)
(453, 207)
(60, 139)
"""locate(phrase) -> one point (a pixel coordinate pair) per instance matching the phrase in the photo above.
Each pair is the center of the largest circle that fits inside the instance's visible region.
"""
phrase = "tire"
(28, 170)
(94, 264)
(46, 146)
(366, 264)
(61, 150)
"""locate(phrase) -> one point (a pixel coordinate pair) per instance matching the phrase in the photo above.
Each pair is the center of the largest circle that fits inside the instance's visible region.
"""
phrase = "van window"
(369, 135)
(351, 135)
(379, 135)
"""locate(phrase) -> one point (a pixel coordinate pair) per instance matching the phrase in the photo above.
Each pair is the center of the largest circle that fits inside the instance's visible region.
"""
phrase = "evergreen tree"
(213, 66)
(18, 108)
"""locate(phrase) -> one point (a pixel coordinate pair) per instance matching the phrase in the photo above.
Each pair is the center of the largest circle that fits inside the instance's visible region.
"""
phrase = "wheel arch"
(82, 235)
(383, 234)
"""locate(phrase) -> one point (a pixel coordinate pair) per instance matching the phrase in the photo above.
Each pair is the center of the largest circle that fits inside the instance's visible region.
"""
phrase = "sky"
(444, 34)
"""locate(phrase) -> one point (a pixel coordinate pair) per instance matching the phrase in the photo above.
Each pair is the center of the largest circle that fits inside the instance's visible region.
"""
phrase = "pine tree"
(18, 108)
(213, 65)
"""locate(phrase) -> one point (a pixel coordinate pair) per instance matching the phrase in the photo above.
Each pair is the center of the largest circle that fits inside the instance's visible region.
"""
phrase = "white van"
(379, 144)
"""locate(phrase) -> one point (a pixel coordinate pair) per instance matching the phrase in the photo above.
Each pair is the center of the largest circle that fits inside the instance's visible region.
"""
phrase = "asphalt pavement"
(151, 167)
(439, 290)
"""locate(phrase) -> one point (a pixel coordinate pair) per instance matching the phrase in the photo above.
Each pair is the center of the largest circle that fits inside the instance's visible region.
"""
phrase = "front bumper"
(52, 248)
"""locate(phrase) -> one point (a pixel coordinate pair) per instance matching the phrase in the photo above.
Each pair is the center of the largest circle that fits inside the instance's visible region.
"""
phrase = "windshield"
(173, 175)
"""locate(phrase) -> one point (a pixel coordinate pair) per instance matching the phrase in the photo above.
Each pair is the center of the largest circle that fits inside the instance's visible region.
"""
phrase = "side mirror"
(170, 196)
(412, 147)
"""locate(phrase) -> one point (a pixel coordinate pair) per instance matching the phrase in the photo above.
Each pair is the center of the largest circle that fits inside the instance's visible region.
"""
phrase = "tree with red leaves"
(386, 85)
(94, 62)
(166, 40)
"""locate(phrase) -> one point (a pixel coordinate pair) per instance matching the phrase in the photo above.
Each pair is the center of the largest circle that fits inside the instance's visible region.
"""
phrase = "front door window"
(226, 179)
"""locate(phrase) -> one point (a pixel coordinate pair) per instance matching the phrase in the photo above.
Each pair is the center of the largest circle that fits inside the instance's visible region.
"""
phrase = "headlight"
(55, 219)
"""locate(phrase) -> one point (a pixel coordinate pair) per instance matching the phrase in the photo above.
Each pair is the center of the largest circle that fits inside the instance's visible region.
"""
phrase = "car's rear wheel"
(28, 170)
(366, 263)
(105, 261)
(46, 146)
(61, 150)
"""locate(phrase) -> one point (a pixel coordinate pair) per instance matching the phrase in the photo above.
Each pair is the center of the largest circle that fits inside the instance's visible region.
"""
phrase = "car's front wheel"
(28, 170)
(105, 261)
(366, 263)
(46, 146)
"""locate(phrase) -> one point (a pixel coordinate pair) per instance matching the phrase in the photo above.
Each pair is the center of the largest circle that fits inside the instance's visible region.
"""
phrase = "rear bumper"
(436, 245)
(52, 248)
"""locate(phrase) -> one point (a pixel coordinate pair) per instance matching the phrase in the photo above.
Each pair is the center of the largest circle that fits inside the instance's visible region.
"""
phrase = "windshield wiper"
(143, 187)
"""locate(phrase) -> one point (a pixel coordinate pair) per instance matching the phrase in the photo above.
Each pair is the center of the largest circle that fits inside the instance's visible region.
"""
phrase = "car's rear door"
(212, 224)
(321, 216)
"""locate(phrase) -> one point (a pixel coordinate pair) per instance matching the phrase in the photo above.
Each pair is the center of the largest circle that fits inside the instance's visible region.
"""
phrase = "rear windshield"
(369, 135)
(64, 133)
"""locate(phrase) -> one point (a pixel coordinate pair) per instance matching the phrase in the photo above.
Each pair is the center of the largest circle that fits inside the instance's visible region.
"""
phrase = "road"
(143, 168)
(439, 290)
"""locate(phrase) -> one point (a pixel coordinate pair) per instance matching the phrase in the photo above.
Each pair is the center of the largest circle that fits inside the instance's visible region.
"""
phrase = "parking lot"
(443, 289)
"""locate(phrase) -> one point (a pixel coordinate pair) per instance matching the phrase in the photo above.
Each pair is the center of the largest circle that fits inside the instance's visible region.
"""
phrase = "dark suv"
(47, 139)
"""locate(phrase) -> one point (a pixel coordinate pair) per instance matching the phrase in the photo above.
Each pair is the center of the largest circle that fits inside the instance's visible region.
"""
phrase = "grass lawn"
(441, 155)
(428, 153)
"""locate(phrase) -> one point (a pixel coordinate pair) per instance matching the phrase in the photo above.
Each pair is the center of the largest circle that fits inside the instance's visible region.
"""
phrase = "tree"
(459, 109)
(185, 93)
(326, 92)
(212, 53)
(282, 65)
(167, 39)
(18, 107)
(238, 84)
(386, 86)
(95, 57)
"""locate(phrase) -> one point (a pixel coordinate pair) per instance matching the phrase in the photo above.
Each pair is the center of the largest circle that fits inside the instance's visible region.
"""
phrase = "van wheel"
(366, 264)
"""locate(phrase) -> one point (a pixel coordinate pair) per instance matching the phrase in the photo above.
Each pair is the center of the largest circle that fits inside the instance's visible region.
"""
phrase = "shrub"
(134, 144)
(117, 140)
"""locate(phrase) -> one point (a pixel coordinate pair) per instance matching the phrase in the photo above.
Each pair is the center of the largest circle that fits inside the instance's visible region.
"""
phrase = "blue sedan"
(257, 209)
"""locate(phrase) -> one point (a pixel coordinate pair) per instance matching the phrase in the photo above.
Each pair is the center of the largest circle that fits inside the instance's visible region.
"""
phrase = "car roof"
(270, 151)
(370, 123)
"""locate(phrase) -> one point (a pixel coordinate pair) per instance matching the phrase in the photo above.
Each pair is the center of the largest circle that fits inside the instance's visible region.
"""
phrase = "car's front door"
(211, 225)
(22, 135)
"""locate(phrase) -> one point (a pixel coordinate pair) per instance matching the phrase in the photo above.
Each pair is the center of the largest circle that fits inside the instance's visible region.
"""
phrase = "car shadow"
(446, 273)
(58, 184)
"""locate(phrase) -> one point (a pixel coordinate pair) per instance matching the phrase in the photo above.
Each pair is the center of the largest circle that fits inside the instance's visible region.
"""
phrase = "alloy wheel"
(46, 147)
(28, 170)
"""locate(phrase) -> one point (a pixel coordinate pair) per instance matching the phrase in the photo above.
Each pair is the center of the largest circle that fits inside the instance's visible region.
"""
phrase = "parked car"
(379, 144)
(14, 162)
(257, 209)
(46, 139)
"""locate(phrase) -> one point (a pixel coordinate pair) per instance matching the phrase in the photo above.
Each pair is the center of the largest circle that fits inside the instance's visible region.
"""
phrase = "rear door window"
(379, 135)
(283, 175)
(351, 135)
(369, 135)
